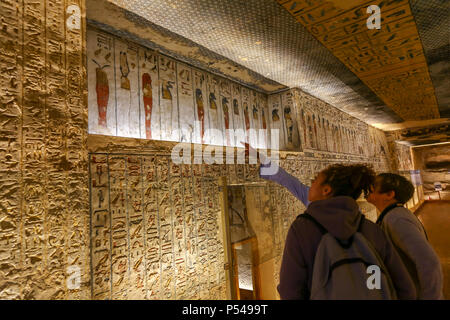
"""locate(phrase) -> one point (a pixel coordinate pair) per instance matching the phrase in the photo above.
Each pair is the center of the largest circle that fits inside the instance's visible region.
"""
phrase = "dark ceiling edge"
(424, 54)
(444, 123)
(386, 108)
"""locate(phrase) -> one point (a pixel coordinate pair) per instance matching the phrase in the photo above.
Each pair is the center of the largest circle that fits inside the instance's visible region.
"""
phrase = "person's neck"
(384, 205)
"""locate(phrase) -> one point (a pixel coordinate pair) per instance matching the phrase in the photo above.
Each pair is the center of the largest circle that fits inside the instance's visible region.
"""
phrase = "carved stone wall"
(139, 93)
(329, 132)
(44, 212)
(400, 153)
(156, 224)
(155, 231)
(434, 165)
(146, 227)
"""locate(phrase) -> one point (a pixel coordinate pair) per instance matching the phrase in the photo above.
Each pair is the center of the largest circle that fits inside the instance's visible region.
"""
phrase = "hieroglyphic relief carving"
(151, 224)
(168, 108)
(100, 228)
(120, 260)
(42, 116)
(389, 60)
(291, 137)
(51, 198)
(181, 208)
(227, 115)
(137, 92)
(190, 221)
(10, 149)
(155, 224)
(324, 128)
(137, 243)
(34, 138)
(186, 99)
(179, 249)
(102, 117)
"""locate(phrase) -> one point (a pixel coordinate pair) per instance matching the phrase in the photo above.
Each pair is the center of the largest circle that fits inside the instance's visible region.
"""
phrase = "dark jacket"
(341, 217)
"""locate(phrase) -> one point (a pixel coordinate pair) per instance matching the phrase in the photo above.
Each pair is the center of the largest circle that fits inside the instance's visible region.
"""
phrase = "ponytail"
(349, 180)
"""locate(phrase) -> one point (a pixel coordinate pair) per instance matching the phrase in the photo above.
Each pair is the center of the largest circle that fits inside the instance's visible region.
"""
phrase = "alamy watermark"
(73, 281)
(374, 21)
(374, 281)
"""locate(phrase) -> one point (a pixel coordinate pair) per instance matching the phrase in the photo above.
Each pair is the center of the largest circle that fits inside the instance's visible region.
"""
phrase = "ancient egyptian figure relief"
(276, 119)
(169, 101)
(186, 102)
(127, 88)
(136, 92)
(101, 93)
(290, 120)
(201, 111)
(149, 95)
(227, 117)
(238, 114)
(265, 138)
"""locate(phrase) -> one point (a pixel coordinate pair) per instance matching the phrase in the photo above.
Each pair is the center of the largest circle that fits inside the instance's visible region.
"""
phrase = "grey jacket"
(408, 236)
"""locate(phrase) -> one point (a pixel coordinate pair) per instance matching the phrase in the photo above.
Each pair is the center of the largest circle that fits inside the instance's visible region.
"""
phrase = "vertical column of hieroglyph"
(48, 92)
(34, 206)
(190, 226)
(57, 167)
(231, 171)
(136, 229)
(166, 229)
(211, 248)
(152, 235)
(76, 123)
(120, 260)
(215, 246)
(179, 244)
(276, 218)
(202, 250)
(100, 229)
(10, 149)
(219, 170)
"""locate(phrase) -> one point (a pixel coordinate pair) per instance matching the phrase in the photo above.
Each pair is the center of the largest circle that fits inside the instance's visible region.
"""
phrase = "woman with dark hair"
(331, 202)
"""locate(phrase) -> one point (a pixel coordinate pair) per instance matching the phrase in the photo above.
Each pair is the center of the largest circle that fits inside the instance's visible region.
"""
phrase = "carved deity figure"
(148, 103)
(200, 111)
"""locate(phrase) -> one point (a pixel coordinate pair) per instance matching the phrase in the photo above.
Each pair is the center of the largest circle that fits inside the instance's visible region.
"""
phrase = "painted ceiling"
(398, 74)
(422, 135)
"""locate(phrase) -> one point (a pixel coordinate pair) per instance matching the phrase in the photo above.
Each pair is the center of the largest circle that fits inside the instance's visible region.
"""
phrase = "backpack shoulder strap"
(361, 222)
(309, 217)
(386, 211)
